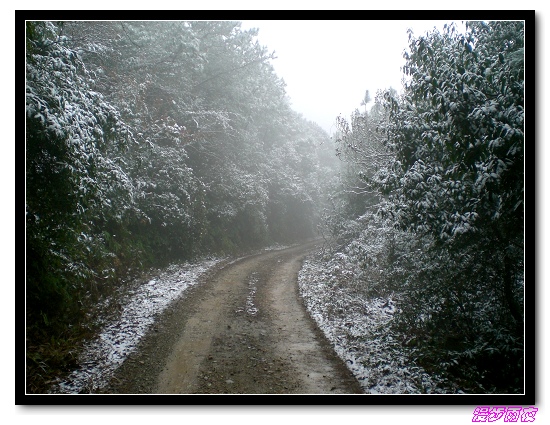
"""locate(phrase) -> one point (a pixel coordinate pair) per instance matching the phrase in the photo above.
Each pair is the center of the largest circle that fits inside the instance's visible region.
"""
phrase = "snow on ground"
(358, 328)
(141, 305)
(118, 338)
(356, 325)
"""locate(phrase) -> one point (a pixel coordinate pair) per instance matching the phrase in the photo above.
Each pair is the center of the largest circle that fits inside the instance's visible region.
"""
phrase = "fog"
(327, 65)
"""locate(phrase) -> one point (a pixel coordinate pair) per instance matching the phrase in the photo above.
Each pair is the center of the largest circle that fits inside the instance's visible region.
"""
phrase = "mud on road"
(242, 330)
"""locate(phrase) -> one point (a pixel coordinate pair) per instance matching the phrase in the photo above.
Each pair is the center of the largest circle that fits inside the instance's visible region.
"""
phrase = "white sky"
(328, 64)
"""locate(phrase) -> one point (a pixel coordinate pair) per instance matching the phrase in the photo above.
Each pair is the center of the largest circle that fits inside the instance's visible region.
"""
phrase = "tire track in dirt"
(250, 334)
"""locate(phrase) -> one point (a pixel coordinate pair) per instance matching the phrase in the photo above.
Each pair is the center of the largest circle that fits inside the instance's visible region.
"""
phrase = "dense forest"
(151, 142)
(433, 217)
(154, 142)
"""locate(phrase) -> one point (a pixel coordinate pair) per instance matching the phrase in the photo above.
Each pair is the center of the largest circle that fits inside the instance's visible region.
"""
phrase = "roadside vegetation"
(429, 220)
(149, 143)
(153, 143)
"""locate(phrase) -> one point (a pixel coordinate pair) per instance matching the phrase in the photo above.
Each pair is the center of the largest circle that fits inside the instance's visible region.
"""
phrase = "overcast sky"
(328, 64)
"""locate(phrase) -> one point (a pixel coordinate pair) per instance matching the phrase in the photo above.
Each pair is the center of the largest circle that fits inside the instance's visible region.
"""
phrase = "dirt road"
(243, 330)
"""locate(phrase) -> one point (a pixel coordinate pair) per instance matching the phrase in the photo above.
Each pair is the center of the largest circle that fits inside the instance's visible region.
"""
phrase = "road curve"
(243, 331)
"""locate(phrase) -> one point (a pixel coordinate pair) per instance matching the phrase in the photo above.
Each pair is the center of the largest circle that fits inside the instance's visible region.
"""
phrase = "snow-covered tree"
(149, 142)
(73, 180)
(458, 138)
(445, 166)
(153, 141)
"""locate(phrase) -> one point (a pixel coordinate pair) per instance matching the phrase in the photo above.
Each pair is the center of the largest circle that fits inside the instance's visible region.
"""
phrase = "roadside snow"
(119, 338)
(358, 328)
(140, 307)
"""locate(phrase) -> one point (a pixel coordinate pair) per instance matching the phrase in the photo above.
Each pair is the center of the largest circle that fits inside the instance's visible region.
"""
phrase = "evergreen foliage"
(444, 167)
(149, 142)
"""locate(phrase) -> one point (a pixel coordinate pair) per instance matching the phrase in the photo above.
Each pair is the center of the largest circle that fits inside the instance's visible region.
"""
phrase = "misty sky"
(328, 64)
